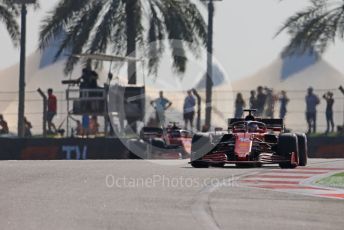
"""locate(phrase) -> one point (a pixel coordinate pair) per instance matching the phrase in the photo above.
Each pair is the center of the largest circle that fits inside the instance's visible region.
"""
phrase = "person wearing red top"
(52, 109)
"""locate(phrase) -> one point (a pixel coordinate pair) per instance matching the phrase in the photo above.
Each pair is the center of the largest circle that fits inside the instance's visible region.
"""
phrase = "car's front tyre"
(199, 164)
(303, 149)
(287, 146)
(218, 165)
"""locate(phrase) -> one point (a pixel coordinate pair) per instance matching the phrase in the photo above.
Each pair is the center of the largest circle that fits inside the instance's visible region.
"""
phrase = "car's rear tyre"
(303, 149)
(197, 164)
(287, 144)
(136, 149)
(287, 165)
(270, 138)
(158, 143)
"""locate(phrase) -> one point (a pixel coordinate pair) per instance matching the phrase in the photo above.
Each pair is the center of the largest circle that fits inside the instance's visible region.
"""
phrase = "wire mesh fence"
(222, 104)
(223, 107)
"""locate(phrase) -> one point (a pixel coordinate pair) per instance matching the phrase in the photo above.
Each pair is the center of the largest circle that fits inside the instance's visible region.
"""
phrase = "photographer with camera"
(329, 111)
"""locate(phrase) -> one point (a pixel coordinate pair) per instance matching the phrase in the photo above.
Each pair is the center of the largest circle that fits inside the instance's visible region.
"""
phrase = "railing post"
(198, 122)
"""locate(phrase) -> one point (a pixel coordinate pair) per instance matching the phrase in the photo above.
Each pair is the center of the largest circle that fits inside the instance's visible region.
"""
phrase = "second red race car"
(250, 141)
(171, 142)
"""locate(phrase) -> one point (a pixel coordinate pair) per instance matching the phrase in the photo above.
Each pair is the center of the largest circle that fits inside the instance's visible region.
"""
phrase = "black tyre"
(227, 137)
(287, 165)
(303, 148)
(199, 164)
(137, 149)
(158, 143)
(245, 165)
(218, 165)
(287, 144)
(258, 165)
(270, 138)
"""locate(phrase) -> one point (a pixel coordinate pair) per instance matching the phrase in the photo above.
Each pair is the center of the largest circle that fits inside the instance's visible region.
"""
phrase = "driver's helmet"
(173, 125)
(252, 128)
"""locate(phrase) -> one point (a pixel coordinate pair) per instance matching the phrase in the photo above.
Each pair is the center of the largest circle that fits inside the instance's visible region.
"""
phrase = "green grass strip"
(336, 180)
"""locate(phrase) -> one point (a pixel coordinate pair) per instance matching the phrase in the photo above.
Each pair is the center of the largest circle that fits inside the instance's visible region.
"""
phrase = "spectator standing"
(239, 106)
(261, 99)
(253, 100)
(312, 101)
(160, 105)
(79, 129)
(270, 103)
(329, 111)
(284, 100)
(189, 109)
(28, 127)
(85, 125)
(51, 112)
(94, 125)
(3, 125)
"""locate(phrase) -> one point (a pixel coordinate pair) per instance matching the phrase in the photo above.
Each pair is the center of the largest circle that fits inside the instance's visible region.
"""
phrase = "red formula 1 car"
(250, 141)
(157, 143)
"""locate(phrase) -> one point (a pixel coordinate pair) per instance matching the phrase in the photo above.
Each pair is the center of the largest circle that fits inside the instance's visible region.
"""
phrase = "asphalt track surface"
(152, 195)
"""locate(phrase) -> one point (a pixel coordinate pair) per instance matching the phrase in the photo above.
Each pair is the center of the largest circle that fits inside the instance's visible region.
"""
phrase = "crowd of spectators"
(264, 101)
(88, 126)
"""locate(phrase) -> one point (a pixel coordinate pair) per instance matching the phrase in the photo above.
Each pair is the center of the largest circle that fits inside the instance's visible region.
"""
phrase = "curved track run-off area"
(299, 181)
(166, 195)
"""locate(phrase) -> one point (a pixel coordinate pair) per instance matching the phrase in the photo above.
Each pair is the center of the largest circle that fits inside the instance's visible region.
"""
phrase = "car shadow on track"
(235, 167)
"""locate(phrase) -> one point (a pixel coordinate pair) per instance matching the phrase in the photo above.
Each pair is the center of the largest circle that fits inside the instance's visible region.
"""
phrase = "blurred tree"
(315, 27)
(8, 13)
(97, 26)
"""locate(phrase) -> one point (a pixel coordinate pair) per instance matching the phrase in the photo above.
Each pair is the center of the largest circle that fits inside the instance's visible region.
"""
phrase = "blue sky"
(243, 41)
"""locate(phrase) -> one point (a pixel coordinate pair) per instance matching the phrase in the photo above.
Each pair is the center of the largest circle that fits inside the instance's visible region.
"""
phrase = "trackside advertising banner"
(61, 149)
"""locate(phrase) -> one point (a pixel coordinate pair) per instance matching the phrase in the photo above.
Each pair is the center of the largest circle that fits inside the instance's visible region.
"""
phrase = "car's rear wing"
(149, 132)
(272, 124)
